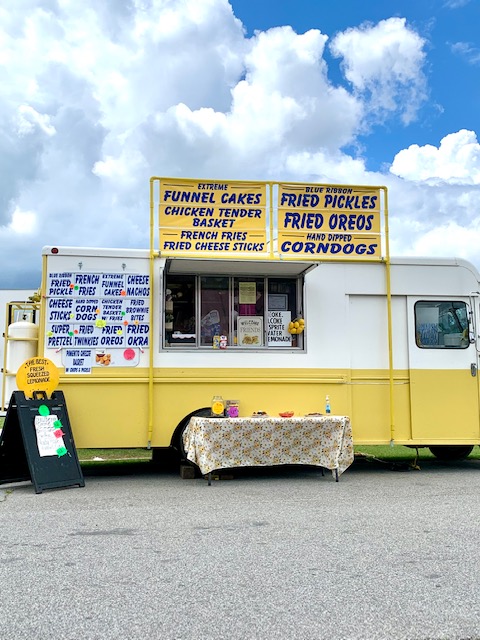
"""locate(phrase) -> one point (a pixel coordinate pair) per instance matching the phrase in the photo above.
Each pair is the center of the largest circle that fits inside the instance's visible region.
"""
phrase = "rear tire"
(177, 439)
(177, 442)
(449, 453)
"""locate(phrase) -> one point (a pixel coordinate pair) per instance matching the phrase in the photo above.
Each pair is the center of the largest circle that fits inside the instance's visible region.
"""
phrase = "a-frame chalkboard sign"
(37, 443)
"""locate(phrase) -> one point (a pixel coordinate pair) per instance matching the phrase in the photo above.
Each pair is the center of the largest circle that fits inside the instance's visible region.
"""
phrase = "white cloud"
(28, 119)
(384, 61)
(23, 222)
(455, 161)
(466, 50)
(455, 4)
(462, 241)
(97, 97)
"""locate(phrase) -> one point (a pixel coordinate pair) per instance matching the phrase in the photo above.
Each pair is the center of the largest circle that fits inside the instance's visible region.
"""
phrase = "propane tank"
(21, 344)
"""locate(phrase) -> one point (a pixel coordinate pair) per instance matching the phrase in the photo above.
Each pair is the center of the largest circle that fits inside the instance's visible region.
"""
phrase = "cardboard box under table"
(224, 443)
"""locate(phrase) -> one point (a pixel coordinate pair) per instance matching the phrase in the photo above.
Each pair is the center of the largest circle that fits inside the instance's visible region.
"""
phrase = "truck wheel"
(177, 441)
(448, 453)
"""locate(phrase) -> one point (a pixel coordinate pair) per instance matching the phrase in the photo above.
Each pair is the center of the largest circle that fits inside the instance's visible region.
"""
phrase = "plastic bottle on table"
(327, 405)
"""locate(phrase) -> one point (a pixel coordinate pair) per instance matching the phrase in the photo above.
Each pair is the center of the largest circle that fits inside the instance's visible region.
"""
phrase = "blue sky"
(452, 44)
(97, 97)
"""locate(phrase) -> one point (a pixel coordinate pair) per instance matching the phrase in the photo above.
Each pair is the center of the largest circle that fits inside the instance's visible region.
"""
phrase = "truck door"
(443, 359)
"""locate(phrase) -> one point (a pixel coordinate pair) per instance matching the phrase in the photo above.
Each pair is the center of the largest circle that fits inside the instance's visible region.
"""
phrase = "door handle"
(473, 369)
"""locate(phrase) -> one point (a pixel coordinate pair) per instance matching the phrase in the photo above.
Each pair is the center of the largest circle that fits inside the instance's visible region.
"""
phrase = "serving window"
(210, 311)
(441, 325)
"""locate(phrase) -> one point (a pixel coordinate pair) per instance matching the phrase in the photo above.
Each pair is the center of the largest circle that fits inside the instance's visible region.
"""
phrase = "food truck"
(272, 296)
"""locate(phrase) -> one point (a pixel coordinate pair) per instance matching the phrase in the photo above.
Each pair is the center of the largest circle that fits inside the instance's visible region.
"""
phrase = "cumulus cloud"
(97, 97)
(384, 63)
(455, 161)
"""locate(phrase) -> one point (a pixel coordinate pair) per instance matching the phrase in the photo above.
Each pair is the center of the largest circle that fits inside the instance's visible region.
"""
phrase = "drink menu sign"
(97, 319)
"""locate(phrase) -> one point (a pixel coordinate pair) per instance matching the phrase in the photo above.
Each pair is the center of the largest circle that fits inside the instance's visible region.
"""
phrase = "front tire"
(449, 453)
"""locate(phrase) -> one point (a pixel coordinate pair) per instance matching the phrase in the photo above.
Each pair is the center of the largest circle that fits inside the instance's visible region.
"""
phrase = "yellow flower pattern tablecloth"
(223, 443)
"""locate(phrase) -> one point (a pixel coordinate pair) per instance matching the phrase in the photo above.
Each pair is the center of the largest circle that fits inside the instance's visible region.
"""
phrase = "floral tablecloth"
(223, 443)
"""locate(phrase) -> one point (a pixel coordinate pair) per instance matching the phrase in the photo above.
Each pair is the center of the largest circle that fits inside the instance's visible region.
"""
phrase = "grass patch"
(396, 453)
(114, 455)
(116, 461)
(400, 453)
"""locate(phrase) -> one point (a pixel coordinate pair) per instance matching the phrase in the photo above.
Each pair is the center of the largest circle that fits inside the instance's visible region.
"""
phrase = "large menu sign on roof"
(229, 219)
(212, 216)
(322, 221)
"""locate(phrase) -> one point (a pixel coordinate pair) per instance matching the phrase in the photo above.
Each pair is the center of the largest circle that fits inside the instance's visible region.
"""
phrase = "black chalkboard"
(23, 457)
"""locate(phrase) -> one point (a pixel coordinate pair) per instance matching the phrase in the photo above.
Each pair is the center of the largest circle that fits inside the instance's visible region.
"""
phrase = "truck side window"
(441, 325)
(246, 311)
(180, 311)
(214, 308)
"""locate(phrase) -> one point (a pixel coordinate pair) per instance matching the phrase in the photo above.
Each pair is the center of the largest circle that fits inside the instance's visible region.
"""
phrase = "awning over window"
(272, 268)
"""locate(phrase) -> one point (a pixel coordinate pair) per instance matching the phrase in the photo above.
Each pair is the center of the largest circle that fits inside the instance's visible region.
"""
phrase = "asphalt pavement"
(270, 553)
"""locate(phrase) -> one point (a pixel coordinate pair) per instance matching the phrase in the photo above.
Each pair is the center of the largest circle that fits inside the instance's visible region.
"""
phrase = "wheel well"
(176, 441)
(449, 453)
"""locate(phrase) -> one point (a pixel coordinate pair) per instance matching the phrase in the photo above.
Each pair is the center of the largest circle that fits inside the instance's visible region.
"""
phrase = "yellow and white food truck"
(275, 295)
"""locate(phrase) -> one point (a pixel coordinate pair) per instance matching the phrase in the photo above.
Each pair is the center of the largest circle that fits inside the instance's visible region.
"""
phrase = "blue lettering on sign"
(87, 278)
(57, 282)
(138, 291)
(328, 248)
(337, 221)
(138, 328)
(350, 202)
(111, 341)
(239, 213)
(60, 303)
(302, 220)
(248, 246)
(189, 211)
(217, 224)
(60, 328)
(176, 246)
(90, 341)
(344, 200)
(112, 292)
(137, 279)
(86, 328)
(86, 291)
(59, 291)
(241, 198)
(137, 341)
(59, 315)
(352, 222)
(111, 329)
(187, 196)
(303, 200)
(54, 342)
